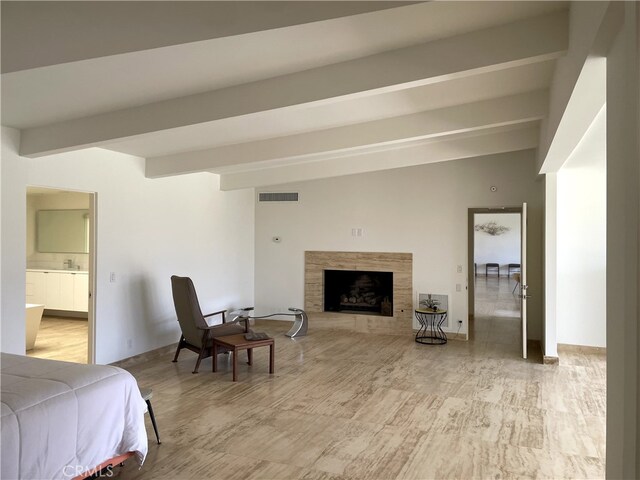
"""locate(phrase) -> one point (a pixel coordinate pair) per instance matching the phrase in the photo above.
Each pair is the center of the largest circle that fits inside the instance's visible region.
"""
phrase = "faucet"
(68, 264)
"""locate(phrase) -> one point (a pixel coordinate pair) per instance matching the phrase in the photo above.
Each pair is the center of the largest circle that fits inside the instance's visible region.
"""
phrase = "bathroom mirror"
(62, 231)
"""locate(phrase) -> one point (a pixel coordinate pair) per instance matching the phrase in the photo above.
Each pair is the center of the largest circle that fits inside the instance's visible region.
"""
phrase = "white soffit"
(587, 99)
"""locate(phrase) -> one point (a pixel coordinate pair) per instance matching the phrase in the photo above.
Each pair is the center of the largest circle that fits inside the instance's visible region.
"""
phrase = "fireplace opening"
(352, 291)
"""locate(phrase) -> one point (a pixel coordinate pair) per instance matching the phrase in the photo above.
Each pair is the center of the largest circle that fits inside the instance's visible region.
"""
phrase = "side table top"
(430, 311)
(238, 340)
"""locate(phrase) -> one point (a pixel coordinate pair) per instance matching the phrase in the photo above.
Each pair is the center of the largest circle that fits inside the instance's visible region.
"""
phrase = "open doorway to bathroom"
(495, 267)
(59, 277)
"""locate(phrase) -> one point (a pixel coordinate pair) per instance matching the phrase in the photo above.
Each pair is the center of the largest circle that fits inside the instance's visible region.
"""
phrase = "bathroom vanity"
(58, 289)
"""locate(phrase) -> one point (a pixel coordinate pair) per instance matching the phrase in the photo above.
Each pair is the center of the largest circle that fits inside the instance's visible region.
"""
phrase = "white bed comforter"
(60, 419)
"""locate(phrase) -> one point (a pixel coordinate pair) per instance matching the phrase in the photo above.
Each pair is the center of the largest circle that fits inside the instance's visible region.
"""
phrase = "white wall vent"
(278, 196)
(442, 303)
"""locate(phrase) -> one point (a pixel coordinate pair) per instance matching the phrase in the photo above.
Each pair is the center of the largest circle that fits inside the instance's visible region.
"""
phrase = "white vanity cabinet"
(81, 292)
(58, 289)
(35, 287)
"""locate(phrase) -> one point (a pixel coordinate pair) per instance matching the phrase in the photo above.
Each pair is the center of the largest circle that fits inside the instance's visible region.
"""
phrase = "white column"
(13, 174)
(623, 232)
(550, 343)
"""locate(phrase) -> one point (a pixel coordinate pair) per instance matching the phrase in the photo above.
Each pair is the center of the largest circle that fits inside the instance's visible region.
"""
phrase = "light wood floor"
(62, 339)
(369, 406)
(497, 313)
(495, 297)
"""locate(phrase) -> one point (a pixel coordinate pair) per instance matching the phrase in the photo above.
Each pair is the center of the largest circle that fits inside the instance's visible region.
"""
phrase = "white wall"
(422, 210)
(147, 230)
(581, 235)
(501, 249)
(623, 247)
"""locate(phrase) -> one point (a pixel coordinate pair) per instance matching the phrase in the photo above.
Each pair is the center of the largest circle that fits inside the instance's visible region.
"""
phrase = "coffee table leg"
(215, 357)
(235, 364)
(249, 356)
(271, 358)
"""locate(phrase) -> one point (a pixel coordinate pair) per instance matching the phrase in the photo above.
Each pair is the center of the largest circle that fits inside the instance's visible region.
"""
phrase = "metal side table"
(430, 332)
(300, 322)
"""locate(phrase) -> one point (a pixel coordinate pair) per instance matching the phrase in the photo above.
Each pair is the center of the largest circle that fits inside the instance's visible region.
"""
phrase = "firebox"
(356, 291)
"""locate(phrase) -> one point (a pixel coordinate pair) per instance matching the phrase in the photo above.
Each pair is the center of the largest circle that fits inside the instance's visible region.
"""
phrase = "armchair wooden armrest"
(217, 313)
(246, 310)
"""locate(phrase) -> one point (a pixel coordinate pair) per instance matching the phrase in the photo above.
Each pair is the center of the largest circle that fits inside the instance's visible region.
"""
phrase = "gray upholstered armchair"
(196, 332)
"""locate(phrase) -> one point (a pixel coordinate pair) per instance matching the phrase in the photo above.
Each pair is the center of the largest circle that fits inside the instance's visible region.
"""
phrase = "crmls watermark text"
(72, 471)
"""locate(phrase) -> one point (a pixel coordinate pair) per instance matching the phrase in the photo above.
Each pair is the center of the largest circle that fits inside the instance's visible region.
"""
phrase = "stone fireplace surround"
(401, 264)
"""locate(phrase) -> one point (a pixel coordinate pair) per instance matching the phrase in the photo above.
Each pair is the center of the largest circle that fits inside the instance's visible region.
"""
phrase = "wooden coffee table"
(235, 343)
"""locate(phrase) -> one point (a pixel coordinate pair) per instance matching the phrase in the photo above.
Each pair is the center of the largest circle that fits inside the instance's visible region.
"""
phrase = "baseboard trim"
(548, 360)
(587, 349)
(144, 357)
(461, 337)
(65, 314)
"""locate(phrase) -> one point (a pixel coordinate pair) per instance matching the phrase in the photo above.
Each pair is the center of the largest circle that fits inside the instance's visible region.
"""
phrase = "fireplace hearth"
(356, 291)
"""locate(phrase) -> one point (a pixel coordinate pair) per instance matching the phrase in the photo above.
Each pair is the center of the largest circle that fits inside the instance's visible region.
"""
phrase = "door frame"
(471, 247)
(93, 255)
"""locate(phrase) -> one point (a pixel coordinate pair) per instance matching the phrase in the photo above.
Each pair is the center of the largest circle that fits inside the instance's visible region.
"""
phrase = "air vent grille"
(442, 303)
(278, 197)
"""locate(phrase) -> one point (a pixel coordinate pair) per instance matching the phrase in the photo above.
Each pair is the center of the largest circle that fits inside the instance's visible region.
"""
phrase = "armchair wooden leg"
(235, 364)
(204, 350)
(249, 356)
(175, 359)
(200, 357)
(272, 357)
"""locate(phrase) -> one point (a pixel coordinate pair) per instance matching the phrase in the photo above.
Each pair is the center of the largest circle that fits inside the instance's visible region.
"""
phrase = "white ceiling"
(190, 105)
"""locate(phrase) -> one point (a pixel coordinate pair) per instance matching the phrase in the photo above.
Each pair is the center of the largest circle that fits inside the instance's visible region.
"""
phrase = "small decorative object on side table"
(430, 303)
(256, 336)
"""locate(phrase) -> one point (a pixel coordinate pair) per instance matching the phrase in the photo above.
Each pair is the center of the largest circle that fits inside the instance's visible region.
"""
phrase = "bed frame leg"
(153, 422)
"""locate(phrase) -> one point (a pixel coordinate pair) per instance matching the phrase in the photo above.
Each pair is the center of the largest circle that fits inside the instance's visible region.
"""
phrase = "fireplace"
(357, 291)
(398, 264)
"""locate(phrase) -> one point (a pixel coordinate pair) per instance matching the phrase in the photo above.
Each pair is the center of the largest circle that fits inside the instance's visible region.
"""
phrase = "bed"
(61, 419)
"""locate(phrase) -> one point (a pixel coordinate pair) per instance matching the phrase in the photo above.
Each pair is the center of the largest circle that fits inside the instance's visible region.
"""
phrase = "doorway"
(60, 261)
(495, 260)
